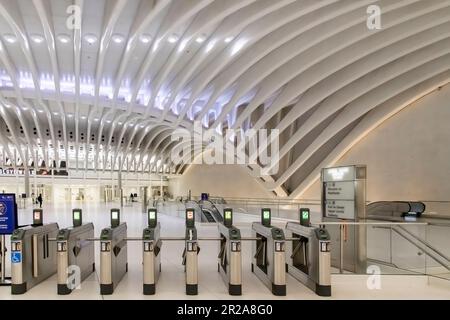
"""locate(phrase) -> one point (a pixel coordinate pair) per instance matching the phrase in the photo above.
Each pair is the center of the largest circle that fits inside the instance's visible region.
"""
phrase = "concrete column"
(119, 182)
(27, 182)
(144, 199)
(150, 185)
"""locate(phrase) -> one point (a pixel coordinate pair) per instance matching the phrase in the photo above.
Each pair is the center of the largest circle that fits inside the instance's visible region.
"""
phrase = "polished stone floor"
(171, 284)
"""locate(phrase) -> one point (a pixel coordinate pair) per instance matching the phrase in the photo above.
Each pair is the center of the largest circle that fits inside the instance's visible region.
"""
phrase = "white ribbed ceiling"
(117, 87)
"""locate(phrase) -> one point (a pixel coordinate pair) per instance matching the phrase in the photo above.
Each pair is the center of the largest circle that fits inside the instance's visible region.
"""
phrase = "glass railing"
(420, 247)
(390, 248)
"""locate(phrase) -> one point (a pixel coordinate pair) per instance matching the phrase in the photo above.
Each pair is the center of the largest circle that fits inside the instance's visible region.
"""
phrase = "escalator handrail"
(381, 208)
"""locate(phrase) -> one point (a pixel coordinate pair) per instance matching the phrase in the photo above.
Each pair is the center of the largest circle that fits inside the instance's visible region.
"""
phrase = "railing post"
(341, 245)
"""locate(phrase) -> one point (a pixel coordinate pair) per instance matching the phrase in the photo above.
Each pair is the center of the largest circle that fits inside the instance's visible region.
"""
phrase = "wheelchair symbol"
(16, 257)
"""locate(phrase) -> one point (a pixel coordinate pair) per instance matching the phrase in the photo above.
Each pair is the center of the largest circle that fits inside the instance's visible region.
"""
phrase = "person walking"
(40, 200)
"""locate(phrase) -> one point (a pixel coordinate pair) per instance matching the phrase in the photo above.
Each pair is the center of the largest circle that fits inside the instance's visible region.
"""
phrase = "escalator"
(205, 211)
(209, 207)
(207, 214)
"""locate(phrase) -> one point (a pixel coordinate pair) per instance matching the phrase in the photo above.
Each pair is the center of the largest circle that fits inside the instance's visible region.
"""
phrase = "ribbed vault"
(108, 93)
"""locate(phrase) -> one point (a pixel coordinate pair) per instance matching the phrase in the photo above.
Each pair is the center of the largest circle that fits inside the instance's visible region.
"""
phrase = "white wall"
(408, 156)
(217, 180)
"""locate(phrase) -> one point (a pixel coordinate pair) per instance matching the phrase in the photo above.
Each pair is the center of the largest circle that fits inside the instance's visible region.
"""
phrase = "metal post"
(341, 254)
(3, 253)
(390, 245)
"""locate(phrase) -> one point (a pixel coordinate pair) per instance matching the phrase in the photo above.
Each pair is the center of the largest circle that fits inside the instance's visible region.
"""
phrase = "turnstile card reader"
(229, 258)
(305, 219)
(228, 217)
(151, 253)
(115, 218)
(33, 256)
(113, 254)
(152, 218)
(190, 218)
(190, 254)
(309, 259)
(269, 254)
(77, 217)
(266, 217)
(38, 219)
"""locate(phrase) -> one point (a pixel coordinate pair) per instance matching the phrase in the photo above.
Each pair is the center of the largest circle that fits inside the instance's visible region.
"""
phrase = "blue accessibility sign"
(8, 213)
(16, 257)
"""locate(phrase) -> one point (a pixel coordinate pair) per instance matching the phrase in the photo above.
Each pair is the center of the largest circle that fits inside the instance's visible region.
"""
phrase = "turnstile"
(269, 254)
(75, 254)
(33, 255)
(309, 259)
(230, 260)
(151, 247)
(113, 254)
(190, 254)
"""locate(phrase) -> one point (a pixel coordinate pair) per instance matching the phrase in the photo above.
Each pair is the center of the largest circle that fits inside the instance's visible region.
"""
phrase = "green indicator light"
(305, 215)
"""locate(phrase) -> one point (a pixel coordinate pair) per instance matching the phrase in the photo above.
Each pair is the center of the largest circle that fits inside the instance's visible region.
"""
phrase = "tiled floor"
(171, 284)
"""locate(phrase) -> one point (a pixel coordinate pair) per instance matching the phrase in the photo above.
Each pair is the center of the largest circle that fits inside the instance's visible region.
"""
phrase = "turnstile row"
(34, 258)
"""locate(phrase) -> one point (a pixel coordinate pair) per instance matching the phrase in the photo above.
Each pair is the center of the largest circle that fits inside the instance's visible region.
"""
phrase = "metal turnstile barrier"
(190, 254)
(33, 256)
(113, 254)
(75, 254)
(309, 258)
(151, 253)
(229, 262)
(269, 254)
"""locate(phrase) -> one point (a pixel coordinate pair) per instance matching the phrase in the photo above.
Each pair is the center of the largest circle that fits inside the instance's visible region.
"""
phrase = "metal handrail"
(370, 223)
(425, 243)
(417, 246)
